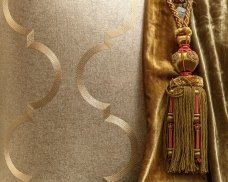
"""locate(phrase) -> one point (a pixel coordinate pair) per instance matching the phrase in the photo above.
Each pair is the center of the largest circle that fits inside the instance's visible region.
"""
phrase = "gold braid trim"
(174, 12)
(192, 80)
(176, 85)
(178, 20)
(188, 13)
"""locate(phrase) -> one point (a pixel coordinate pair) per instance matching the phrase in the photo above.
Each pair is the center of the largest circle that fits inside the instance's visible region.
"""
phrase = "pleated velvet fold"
(209, 23)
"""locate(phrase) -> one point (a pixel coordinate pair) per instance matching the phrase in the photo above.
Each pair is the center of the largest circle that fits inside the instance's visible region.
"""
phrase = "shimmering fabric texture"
(209, 23)
(71, 94)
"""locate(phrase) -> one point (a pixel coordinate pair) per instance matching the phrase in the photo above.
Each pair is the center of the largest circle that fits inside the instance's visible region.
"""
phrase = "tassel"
(186, 124)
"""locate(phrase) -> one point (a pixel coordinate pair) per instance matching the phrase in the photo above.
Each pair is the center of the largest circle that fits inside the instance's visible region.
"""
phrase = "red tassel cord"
(197, 127)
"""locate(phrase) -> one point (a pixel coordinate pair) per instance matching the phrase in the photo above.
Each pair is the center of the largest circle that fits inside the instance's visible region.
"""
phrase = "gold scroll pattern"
(32, 106)
(105, 107)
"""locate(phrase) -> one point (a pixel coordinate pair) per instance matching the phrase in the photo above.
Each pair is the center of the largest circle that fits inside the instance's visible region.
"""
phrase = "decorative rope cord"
(179, 22)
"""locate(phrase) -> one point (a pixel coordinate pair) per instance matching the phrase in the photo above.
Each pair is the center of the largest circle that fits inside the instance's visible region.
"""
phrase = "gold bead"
(170, 118)
(170, 151)
(197, 154)
(185, 61)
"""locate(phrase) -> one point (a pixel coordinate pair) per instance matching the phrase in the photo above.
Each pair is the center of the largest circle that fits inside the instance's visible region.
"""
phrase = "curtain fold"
(210, 40)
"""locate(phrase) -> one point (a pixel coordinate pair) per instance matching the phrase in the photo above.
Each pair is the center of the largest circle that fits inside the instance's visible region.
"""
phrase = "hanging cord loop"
(179, 22)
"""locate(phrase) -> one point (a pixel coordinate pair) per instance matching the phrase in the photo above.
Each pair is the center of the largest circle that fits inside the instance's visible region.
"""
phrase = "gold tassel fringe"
(182, 158)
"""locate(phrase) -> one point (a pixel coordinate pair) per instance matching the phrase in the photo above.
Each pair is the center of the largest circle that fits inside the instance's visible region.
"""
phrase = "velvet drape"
(209, 23)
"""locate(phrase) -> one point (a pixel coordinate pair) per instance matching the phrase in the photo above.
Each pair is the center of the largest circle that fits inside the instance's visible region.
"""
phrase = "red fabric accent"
(184, 47)
(183, 61)
(198, 160)
(170, 143)
(185, 73)
(170, 105)
(170, 125)
(197, 146)
(197, 104)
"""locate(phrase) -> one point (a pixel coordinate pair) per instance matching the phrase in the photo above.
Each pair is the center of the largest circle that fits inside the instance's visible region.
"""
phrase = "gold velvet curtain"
(210, 41)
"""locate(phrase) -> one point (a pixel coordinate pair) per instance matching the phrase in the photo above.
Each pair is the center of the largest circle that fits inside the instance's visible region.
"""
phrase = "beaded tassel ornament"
(186, 124)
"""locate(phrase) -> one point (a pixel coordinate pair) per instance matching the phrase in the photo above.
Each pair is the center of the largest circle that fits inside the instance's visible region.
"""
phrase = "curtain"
(209, 23)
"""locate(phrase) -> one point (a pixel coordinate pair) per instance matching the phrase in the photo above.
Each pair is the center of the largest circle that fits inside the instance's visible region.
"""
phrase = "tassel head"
(184, 60)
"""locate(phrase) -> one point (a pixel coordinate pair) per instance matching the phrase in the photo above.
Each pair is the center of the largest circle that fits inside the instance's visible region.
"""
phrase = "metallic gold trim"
(105, 107)
(133, 140)
(192, 80)
(25, 117)
(31, 107)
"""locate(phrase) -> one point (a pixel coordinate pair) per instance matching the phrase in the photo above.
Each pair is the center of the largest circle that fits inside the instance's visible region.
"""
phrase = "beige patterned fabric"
(71, 95)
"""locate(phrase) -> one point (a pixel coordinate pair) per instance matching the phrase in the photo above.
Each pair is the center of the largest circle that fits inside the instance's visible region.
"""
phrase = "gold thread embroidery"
(31, 107)
(105, 107)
